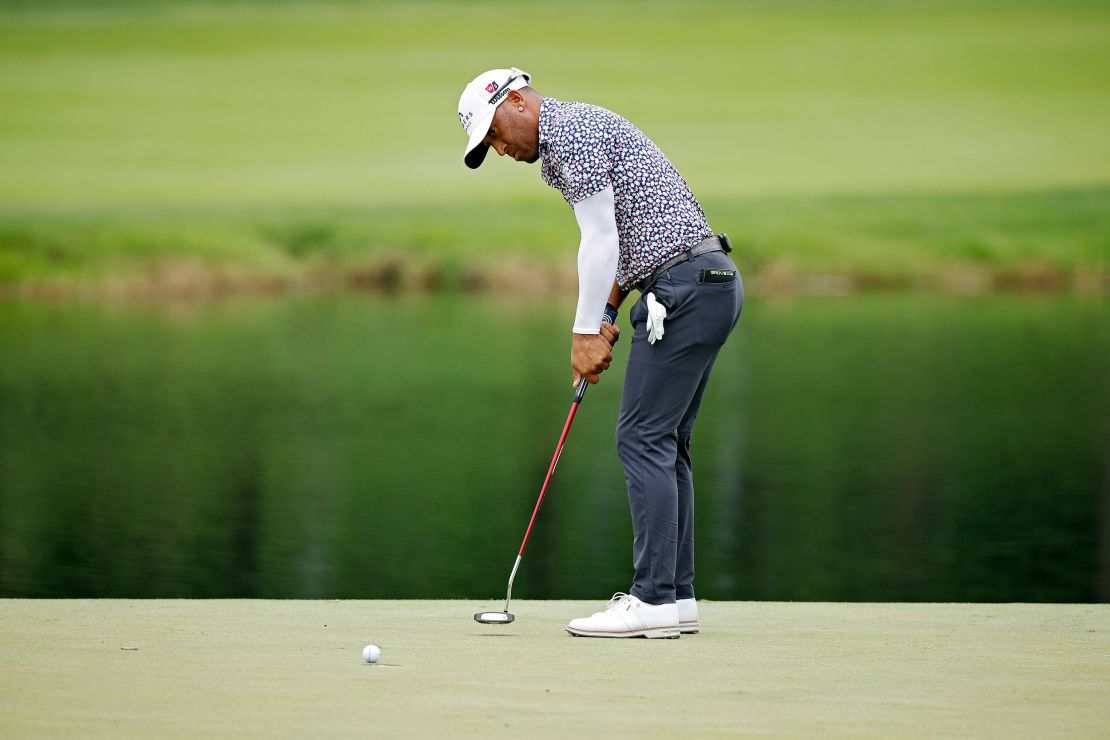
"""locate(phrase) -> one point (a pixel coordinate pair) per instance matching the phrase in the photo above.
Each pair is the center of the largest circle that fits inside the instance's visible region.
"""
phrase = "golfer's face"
(508, 136)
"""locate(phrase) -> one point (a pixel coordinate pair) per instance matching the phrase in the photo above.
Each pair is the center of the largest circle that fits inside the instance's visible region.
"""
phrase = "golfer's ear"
(514, 98)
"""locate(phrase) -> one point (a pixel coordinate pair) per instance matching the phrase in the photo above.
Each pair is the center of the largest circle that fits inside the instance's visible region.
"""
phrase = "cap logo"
(491, 87)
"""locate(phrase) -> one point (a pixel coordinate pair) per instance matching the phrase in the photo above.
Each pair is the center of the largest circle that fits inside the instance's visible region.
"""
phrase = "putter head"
(493, 617)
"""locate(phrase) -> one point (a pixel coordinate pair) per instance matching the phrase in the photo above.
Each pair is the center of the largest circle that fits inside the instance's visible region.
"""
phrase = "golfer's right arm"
(597, 268)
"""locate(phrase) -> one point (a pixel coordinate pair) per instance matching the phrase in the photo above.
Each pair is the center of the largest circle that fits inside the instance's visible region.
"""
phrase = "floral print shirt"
(585, 148)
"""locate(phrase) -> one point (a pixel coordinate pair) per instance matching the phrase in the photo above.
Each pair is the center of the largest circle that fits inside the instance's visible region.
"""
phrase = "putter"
(504, 617)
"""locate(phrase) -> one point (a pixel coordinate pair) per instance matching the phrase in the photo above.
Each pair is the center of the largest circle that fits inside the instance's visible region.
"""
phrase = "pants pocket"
(712, 276)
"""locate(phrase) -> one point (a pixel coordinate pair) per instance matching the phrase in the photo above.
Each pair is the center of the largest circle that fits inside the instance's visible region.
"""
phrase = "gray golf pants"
(663, 388)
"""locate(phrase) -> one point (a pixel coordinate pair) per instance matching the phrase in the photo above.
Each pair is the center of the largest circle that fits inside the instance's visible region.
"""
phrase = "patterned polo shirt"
(586, 148)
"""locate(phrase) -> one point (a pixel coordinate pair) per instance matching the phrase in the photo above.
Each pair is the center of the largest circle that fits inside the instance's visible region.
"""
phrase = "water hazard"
(911, 448)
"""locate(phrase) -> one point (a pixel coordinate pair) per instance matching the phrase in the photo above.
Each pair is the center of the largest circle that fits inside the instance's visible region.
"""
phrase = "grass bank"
(267, 668)
(1046, 240)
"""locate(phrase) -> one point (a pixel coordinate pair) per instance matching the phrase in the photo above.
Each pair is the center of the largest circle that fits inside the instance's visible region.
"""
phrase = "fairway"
(289, 103)
(293, 668)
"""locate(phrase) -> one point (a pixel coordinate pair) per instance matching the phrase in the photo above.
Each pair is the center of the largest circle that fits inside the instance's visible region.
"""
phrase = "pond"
(878, 447)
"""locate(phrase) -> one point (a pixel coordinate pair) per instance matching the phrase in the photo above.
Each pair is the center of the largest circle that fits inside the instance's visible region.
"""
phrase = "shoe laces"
(619, 600)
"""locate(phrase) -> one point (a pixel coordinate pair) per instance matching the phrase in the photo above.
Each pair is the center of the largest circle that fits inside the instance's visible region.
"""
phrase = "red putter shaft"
(554, 462)
(503, 617)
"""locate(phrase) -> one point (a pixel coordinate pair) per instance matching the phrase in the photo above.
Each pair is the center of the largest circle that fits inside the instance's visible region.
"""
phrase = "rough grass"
(293, 668)
(1055, 239)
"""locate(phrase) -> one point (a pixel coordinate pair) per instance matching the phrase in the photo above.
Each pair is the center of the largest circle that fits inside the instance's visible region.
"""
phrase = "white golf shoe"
(627, 616)
(688, 616)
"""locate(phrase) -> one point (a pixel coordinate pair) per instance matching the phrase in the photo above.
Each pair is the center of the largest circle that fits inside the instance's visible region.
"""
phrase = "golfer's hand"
(590, 355)
(610, 333)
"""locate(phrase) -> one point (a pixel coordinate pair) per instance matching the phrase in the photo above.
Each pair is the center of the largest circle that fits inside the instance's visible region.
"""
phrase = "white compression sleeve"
(597, 259)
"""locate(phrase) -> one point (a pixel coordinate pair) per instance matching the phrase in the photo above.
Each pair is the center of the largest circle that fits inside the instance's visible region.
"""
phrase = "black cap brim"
(476, 156)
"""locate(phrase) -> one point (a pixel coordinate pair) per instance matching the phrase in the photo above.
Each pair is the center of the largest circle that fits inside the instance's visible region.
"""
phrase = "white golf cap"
(479, 102)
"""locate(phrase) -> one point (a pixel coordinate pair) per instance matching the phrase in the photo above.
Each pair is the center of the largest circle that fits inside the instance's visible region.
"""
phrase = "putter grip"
(610, 317)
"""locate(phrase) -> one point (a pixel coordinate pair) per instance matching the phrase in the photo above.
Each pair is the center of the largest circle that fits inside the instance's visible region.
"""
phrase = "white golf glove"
(656, 312)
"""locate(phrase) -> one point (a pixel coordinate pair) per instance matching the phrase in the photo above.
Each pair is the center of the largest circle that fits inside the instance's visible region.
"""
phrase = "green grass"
(874, 138)
(888, 240)
(294, 668)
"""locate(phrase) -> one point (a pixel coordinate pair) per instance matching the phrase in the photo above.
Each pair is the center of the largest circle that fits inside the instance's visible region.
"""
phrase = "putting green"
(294, 668)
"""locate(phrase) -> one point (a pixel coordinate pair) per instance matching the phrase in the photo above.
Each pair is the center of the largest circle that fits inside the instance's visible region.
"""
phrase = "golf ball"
(371, 653)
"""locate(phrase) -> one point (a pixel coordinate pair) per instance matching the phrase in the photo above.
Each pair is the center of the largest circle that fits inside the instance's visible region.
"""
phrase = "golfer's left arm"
(597, 269)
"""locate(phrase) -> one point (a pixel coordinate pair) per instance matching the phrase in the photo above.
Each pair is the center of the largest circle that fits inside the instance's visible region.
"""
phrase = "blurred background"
(262, 334)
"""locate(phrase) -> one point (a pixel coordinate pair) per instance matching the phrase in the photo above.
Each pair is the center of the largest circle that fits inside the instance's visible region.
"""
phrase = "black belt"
(718, 243)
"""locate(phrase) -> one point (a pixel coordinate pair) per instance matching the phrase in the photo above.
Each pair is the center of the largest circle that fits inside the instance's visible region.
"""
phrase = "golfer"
(642, 229)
